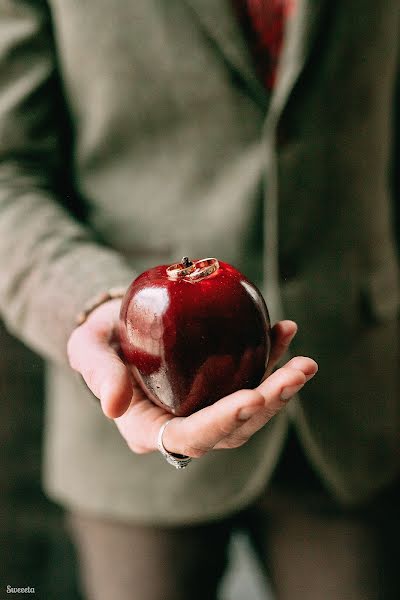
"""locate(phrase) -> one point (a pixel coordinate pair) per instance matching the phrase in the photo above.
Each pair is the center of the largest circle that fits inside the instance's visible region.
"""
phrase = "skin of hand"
(93, 351)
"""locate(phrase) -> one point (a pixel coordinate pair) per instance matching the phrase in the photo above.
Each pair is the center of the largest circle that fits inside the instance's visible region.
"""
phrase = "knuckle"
(224, 431)
(235, 441)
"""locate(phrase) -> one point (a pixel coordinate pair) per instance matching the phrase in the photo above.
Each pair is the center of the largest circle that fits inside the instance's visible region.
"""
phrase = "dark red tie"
(264, 22)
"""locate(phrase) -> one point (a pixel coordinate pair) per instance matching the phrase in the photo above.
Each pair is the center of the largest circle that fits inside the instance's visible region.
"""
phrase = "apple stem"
(186, 262)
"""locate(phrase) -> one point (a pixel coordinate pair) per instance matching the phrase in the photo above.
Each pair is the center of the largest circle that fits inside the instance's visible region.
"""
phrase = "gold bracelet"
(93, 303)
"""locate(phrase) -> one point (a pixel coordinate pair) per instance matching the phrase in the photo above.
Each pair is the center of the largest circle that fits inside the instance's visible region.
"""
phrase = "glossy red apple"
(194, 332)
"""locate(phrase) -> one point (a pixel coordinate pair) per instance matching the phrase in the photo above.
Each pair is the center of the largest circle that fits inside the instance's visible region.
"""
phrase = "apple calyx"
(192, 271)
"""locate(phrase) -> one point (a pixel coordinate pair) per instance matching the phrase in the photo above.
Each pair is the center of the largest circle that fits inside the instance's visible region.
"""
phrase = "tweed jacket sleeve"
(51, 264)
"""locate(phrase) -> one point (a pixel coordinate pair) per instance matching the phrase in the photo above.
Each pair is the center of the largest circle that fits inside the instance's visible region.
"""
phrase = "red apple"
(194, 332)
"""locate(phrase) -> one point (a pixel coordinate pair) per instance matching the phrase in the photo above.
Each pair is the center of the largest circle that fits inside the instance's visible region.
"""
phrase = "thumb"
(91, 355)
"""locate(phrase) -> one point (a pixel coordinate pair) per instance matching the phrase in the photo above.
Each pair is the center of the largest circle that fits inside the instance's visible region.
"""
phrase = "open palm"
(94, 352)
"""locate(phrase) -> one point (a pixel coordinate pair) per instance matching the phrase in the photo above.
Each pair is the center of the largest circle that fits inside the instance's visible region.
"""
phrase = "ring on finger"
(179, 461)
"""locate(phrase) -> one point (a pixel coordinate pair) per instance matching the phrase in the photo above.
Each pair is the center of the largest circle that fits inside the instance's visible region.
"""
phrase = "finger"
(305, 364)
(306, 368)
(203, 384)
(197, 434)
(141, 422)
(209, 427)
(282, 334)
(91, 355)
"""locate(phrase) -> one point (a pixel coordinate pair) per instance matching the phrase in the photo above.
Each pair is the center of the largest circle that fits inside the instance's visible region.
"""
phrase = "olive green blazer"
(133, 133)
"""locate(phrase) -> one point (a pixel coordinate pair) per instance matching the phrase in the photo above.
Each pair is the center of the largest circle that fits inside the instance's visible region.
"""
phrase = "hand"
(93, 351)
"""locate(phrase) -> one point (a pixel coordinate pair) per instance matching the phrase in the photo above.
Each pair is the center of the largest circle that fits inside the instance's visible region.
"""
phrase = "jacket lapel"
(303, 28)
(220, 24)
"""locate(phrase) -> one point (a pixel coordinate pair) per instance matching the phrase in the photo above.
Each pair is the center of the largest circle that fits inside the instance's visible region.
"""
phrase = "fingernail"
(249, 411)
(288, 338)
(310, 376)
(290, 391)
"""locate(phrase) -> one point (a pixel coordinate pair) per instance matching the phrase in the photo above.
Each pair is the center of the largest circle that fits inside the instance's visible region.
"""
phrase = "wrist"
(95, 302)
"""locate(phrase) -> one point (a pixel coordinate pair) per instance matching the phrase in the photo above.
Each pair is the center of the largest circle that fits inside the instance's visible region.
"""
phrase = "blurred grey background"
(34, 550)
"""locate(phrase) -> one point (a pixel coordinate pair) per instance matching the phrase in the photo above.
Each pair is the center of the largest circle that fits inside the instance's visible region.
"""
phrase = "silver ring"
(179, 461)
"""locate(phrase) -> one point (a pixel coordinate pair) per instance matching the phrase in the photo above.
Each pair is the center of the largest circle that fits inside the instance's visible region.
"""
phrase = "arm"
(50, 263)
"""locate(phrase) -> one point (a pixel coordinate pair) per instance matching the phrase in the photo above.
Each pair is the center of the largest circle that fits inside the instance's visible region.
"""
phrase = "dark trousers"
(309, 548)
